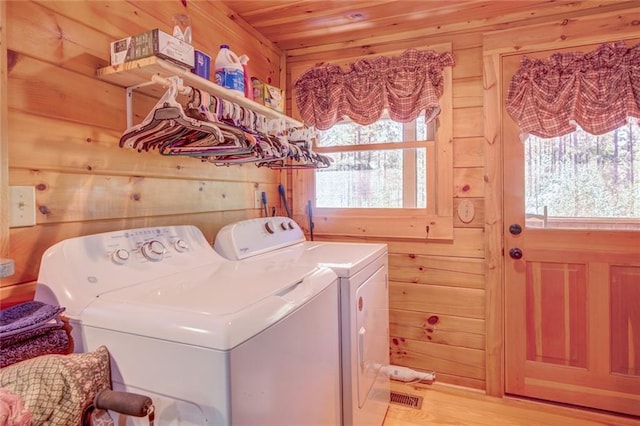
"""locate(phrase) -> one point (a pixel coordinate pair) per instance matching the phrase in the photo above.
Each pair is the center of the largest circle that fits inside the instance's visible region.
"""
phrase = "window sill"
(405, 225)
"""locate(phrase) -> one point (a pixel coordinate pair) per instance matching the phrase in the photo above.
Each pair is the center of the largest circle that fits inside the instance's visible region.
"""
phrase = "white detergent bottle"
(229, 70)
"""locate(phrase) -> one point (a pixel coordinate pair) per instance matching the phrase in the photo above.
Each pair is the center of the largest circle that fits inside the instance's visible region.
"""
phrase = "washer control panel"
(146, 244)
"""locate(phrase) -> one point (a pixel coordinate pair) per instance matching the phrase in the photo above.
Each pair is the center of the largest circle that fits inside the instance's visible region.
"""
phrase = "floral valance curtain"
(404, 85)
(598, 91)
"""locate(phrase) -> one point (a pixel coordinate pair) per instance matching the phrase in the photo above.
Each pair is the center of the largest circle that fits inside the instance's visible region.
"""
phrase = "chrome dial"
(120, 256)
(153, 250)
(180, 245)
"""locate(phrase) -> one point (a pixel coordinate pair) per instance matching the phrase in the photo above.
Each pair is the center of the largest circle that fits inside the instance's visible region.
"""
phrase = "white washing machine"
(209, 340)
(362, 270)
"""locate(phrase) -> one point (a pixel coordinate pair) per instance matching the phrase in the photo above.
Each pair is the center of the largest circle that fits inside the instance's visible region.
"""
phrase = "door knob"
(515, 253)
(515, 229)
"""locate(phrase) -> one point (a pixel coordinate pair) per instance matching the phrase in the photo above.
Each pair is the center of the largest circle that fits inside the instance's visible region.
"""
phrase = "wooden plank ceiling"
(308, 23)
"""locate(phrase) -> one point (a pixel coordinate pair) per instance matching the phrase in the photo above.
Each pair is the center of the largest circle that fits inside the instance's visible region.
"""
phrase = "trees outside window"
(584, 181)
(382, 165)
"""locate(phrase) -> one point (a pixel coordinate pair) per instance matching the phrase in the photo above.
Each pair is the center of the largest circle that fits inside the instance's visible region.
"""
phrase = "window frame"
(435, 222)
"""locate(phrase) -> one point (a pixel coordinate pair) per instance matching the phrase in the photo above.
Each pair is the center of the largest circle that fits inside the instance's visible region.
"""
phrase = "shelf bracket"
(129, 100)
(155, 79)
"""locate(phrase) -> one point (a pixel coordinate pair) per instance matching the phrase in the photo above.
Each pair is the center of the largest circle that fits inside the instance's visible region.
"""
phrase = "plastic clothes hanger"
(168, 123)
(149, 124)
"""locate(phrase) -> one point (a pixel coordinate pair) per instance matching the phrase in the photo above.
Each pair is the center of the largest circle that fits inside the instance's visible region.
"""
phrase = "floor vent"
(405, 399)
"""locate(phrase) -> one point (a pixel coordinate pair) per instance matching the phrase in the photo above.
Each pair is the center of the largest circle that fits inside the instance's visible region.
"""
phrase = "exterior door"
(572, 282)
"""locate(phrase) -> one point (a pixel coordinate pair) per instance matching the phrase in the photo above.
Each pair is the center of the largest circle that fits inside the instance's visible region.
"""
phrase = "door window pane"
(584, 181)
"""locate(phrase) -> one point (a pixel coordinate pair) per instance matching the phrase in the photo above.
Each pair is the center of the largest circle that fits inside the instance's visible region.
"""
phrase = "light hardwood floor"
(453, 406)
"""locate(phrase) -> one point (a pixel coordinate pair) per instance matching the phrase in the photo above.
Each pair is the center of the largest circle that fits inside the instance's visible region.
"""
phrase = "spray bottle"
(248, 87)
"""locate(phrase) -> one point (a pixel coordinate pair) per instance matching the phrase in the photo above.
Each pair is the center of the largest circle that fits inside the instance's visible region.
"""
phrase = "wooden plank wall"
(64, 127)
(4, 149)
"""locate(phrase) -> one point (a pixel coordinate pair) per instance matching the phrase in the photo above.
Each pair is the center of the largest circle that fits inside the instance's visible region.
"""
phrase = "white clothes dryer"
(209, 340)
(362, 270)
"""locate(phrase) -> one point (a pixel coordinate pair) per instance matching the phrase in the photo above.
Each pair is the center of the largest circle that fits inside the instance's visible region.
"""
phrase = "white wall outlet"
(257, 199)
(22, 206)
(7, 268)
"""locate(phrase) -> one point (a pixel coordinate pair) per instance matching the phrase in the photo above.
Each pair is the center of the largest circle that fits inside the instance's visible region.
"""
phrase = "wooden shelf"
(133, 73)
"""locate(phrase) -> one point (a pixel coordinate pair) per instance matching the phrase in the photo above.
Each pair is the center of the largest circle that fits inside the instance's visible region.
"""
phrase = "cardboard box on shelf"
(267, 95)
(202, 65)
(152, 43)
(258, 90)
(273, 97)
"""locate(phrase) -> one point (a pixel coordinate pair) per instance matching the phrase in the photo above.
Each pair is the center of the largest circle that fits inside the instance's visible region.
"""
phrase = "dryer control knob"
(291, 225)
(269, 227)
(120, 256)
(153, 250)
(283, 226)
(180, 245)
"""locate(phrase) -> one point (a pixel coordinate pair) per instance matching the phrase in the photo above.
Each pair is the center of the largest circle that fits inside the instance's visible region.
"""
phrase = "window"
(581, 160)
(382, 165)
(584, 181)
(388, 179)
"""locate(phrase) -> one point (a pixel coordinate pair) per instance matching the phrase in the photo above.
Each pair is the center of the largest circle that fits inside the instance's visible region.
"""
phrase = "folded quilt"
(51, 342)
(28, 319)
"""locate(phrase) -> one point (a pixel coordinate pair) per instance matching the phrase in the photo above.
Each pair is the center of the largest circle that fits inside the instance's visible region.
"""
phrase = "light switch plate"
(257, 199)
(22, 206)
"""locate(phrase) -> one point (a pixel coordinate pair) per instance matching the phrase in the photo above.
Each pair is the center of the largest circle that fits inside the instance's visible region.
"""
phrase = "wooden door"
(572, 300)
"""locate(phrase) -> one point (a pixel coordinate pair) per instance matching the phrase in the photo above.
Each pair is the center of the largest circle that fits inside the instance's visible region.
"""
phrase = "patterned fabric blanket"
(31, 329)
(55, 389)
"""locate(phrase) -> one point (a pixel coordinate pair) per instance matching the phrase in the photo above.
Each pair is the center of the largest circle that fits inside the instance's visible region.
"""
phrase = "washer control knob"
(269, 227)
(283, 226)
(153, 250)
(180, 245)
(291, 225)
(120, 256)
